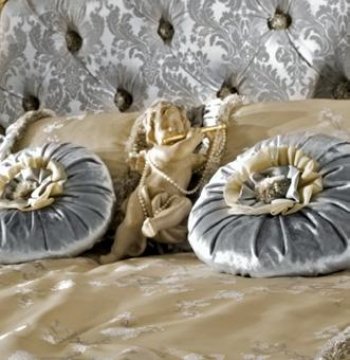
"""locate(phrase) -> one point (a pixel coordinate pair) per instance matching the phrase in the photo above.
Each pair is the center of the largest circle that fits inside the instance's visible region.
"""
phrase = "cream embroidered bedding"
(169, 307)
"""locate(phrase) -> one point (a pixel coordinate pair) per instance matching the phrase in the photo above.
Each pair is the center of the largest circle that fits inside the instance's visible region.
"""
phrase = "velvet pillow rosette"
(56, 200)
(281, 208)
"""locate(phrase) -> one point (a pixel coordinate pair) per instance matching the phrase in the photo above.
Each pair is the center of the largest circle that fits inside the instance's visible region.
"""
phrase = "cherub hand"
(195, 136)
(186, 146)
(210, 135)
(137, 161)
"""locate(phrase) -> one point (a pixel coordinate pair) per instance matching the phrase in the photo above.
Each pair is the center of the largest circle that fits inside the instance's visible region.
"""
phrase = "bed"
(104, 56)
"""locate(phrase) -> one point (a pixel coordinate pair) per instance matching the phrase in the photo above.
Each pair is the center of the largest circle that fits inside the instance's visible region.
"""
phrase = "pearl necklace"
(142, 201)
(139, 194)
(150, 164)
(214, 159)
(167, 178)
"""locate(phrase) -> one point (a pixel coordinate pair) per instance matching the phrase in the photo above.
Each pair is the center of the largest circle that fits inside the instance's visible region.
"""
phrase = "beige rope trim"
(16, 130)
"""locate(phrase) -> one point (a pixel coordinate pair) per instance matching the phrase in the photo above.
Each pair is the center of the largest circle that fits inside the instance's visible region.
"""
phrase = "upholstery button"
(226, 90)
(280, 21)
(166, 30)
(123, 100)
(30, 103)
(342, 90)
(74, 41)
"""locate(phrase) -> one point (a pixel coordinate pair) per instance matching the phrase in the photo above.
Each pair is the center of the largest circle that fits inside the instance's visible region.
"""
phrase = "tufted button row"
(122, 99)
(166, 31)
(74, 41)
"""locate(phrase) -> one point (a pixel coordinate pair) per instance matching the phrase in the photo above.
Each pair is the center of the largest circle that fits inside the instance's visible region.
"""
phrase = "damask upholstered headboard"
(89, 55)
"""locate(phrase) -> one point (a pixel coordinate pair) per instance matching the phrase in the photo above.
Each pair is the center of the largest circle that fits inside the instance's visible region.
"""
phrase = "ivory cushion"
(105, 134)
(256, 122)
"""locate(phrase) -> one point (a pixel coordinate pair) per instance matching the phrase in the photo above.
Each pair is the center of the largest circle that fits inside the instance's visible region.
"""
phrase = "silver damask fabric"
(314, 240)
(90, 55)
(73, 222)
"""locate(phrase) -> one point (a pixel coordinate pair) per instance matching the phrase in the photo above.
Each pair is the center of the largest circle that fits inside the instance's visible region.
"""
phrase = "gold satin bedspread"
(166, 307)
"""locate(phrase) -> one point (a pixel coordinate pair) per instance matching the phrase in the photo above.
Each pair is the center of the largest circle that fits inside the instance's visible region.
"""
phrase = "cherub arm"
(185, 147)
(198, 160)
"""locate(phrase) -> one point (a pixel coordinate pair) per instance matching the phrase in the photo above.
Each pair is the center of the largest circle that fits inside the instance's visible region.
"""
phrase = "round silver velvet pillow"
(281, 208)
(56, 200)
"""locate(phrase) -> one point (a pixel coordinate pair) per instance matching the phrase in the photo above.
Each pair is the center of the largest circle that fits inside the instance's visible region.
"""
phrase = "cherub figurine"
(158, 208)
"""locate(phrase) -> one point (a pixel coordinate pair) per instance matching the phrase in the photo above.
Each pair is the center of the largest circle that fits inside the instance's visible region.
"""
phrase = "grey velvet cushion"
(74, 222)
(314, 240)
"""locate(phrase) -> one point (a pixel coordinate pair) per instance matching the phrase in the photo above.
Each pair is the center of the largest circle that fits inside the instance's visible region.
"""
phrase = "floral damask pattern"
(214, 42)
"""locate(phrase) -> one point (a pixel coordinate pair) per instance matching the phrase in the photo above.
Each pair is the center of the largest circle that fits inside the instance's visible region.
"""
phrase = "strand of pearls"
(214, 159)
(142, 200)
(167, 178)
(216, 152)
(139, 192)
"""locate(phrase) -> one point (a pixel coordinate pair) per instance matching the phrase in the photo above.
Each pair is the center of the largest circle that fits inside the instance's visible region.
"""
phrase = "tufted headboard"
(90, 55)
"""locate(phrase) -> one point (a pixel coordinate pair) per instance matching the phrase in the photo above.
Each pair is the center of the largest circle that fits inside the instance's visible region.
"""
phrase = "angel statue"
(159, 206)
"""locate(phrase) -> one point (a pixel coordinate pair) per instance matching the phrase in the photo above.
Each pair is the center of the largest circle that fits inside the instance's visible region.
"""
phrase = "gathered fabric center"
(275, 180)
(30, 182)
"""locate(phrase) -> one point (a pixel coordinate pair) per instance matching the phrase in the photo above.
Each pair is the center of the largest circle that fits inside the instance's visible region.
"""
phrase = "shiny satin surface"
(315, 240)
(167, 308)
(74, 222)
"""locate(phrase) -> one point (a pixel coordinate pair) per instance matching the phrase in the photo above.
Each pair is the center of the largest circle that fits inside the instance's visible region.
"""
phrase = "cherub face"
(164, 121)
(170, 125)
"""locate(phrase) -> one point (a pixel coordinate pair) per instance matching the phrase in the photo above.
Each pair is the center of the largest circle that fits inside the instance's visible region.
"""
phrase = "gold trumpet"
(204, 130)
